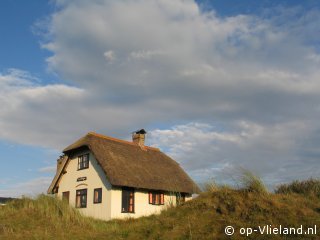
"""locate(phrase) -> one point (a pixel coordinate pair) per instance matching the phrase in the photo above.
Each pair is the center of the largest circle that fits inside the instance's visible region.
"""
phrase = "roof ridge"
(121, 141)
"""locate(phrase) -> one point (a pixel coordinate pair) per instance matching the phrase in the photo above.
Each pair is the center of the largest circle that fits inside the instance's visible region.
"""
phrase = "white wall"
(95, 179)
(142, 206)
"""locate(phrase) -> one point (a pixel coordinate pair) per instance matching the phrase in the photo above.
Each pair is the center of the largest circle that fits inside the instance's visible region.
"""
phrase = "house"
(109, 178)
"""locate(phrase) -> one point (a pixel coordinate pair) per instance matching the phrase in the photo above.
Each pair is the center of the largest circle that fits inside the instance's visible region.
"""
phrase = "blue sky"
(20, 49)
(234, 7)
(219, 85)
(19, 44)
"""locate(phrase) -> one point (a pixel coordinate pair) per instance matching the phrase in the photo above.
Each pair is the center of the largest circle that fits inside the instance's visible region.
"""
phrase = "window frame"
(83, 161)
(66, 196)
(127, 205)
(180, 198)
(156, 198)
(82, 193)
(99, 197)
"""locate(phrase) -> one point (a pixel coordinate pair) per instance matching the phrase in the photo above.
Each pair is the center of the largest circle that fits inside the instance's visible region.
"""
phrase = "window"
(127, 200)
(65, 196)
(83, 161)
(181, 198)
(156, 198)
(81, 198)
(97, 195)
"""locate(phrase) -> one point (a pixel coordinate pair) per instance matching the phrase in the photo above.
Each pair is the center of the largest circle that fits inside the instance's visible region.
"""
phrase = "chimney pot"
(138, 137)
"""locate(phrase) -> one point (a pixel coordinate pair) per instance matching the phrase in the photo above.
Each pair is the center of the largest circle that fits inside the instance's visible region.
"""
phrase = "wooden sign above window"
(80, 179)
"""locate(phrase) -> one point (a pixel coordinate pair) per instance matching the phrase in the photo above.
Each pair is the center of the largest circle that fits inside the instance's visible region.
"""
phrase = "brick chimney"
(59, 162)
(138, 137)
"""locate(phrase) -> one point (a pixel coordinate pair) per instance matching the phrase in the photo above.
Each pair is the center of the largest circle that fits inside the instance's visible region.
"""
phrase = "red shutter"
(161, 198)
(131, 202)
(150, 198)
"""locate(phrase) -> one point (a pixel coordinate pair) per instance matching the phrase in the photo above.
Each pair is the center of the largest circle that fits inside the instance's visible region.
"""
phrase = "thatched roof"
(127, 164)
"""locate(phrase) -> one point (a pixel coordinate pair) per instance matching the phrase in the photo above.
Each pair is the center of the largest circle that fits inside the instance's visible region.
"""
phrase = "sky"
(218, 85)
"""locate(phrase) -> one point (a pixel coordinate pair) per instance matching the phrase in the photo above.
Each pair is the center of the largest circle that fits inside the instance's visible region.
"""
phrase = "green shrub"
(251, 183)
(305, 187)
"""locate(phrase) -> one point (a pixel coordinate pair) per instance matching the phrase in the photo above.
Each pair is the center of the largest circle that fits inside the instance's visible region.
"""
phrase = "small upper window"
(156, 198)
(83, 161)
(97, 195)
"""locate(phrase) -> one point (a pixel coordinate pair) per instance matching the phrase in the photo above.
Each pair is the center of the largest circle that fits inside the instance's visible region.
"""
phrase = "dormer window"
(83, 161)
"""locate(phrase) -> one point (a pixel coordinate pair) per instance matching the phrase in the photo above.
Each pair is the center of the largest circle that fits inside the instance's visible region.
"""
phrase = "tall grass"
(305, 187)
(210, 186)
(202, 218)
(251, 183)
(244, 179)
(54, 210)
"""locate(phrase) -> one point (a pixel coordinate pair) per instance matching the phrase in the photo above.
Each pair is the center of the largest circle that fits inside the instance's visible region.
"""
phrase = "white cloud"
(269, 151)
(189, 52)
(30, 188)
(33, 113)
(110, 56)
(251, 81)
(49, 169)
(143, 54)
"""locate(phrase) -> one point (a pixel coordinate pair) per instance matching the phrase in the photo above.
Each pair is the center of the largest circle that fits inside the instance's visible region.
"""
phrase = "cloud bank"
(227, 91)
(28, 188)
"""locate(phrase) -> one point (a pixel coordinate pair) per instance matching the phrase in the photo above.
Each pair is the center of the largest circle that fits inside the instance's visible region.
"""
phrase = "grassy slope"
(202, 218)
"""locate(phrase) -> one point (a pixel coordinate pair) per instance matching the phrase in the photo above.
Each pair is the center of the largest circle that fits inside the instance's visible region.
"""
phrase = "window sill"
(82, 169)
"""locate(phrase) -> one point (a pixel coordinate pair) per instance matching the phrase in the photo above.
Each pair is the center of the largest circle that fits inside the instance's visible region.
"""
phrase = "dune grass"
(202, 218)
(252, 183)
(306, 187)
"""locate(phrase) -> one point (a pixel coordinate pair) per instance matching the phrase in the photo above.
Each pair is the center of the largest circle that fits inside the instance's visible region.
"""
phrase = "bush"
(210, 186)
(306, 187)
(251, 183)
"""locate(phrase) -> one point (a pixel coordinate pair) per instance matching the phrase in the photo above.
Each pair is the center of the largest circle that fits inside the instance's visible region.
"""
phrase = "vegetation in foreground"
(205, 217)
